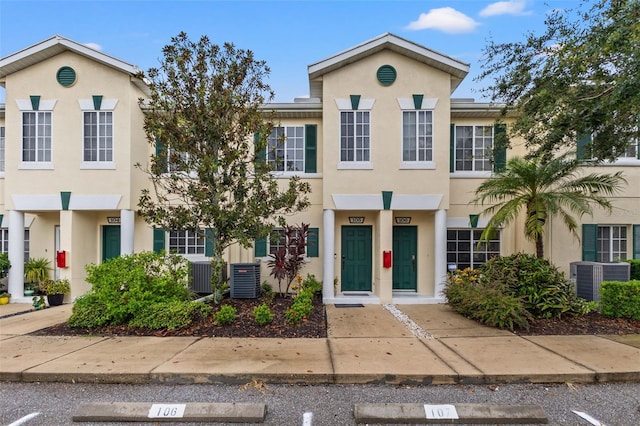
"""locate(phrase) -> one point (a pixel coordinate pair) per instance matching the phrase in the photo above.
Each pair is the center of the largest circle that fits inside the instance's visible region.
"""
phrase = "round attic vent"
(66, 76)
(386, 75)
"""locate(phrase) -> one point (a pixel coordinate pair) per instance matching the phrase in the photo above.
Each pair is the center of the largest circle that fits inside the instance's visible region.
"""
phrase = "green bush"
(312, 285)
(170, 315)
(300, 309)
(544, 290)
(620, 299)
(124, 286)
(635, 269)
(473, 298)
(262, 314)
(226, 315)
(88, 312)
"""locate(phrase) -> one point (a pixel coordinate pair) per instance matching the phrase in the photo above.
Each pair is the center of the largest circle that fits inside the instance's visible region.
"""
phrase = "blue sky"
(289, 35)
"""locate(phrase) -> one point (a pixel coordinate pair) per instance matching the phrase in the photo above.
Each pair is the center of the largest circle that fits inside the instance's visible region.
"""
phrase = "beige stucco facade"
(361, 207)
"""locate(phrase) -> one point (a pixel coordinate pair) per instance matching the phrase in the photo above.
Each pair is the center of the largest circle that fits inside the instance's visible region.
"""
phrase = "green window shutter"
(161, 156)
(583, 151)
(261, 155)
(636, 241)
(158, 240)
(499, 147)
(590, 242)
(452, 148)
(313, 249)
(310, 148)
(260, 247)
(209, 241)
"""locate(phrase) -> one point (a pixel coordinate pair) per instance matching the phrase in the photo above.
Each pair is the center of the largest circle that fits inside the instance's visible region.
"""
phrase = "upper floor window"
(36, 136)
(417, 136)
(2, 149)
(473, 146)
(286, 149)
(633, 150)
(98, 136)
(355, 136)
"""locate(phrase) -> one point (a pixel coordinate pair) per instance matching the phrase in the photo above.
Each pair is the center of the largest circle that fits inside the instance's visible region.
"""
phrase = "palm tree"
(544, 189)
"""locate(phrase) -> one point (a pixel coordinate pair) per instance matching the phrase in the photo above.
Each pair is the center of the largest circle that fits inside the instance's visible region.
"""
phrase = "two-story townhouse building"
(392, 159)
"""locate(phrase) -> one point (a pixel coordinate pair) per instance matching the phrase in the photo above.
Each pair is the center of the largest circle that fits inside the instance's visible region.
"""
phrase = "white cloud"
(94, 46)
(512, 7)
(445, 19)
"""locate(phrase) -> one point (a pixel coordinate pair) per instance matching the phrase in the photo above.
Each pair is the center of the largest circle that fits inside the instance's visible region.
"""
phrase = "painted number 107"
(443, 411)
(166, 411)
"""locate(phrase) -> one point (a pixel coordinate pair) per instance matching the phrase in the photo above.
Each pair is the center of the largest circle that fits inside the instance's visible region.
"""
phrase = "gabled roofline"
(54, 46)
(457, 69)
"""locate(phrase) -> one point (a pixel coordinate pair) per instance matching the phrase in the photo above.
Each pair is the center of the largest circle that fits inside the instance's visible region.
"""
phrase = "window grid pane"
(355, 138)
(417, 136)
(285, 149)
(612, 243)
(464, 250)
(186, 242)
(473, 148)
(98, 136)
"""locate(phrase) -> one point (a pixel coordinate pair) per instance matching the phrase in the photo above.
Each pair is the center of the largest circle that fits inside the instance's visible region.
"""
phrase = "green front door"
(405, 257)
(110, 242)
(356, 258)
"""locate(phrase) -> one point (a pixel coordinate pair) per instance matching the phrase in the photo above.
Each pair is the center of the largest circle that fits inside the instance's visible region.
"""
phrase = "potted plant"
(4, 298)
(36, 270)
(55, 290)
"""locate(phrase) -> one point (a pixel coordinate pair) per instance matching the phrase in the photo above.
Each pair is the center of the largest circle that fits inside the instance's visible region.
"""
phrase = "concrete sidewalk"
(364, 345)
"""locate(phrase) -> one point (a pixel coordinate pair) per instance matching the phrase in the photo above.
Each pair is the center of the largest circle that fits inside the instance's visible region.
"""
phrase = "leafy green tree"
(543, 189)
(208, 171)
(580, 77)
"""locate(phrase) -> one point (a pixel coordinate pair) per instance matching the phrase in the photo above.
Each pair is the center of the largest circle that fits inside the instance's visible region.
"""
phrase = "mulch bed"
(315, 326)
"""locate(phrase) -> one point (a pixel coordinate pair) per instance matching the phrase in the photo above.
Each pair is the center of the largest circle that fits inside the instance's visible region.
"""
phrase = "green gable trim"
(417, 101)
(97, 102)
(386, 199)
(355, 101)
(499, 147)
(590, 242)
(158, 240)
(65, 197)
(260, 247)
(35, 102)
(310, 148)
(636, 241)
(452, 148)
(386, 75)
(313, 250)
(209, 241)
(66, 76)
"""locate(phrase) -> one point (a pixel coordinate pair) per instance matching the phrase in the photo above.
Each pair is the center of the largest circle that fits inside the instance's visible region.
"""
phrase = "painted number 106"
(167, 411)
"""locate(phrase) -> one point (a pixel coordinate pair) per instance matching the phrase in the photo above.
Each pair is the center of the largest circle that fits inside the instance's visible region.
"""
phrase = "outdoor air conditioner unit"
(245, 280)
(201, 276)
(589, 275)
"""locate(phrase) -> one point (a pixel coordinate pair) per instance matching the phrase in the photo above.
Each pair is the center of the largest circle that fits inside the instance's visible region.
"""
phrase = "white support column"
(328, 261)
(440, 250)
(127, 220)
(16, 254)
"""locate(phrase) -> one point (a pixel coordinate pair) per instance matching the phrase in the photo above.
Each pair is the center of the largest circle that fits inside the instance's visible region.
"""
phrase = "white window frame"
(102, 141)
(48, 140)
(610, 245)
(485, 158)
(474, 234)
(4, 242)
(190, 244)
(415, 141)
(287, 143)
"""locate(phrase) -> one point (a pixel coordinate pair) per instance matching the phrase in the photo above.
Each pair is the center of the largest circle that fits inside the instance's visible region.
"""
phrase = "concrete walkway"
(364, 345)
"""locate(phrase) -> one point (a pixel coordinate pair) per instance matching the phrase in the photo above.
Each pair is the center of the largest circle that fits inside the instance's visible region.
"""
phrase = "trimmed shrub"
(88, 312)
(635, 268)
(620, 299)
(170, 315)
(262, 314)
(300, 309)
(226, 315)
